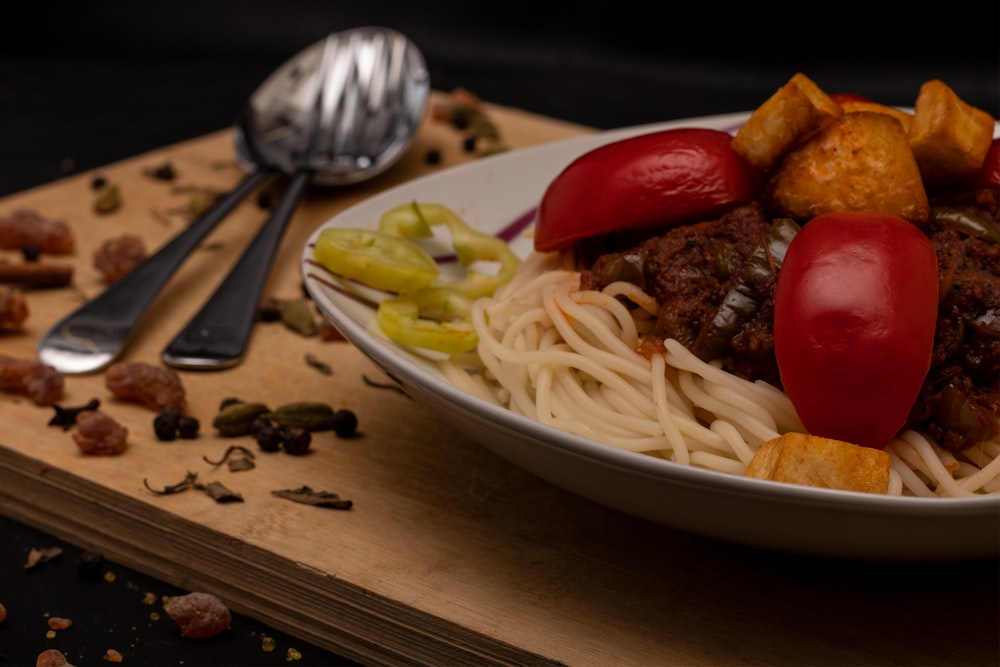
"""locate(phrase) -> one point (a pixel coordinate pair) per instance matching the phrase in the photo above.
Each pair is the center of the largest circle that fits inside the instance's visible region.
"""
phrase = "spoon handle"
(217, 336)
(92, 336)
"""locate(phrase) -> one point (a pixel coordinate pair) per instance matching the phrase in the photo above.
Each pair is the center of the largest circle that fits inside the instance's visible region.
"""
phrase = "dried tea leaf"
(237, 457)
(39, 555)
(306, 496)
(218, 492)
(187, 483)
(314, 361)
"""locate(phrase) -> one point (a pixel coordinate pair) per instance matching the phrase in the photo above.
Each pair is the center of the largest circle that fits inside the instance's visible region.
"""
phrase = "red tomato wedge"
(655, 179)
(855, 310)
(988, 175)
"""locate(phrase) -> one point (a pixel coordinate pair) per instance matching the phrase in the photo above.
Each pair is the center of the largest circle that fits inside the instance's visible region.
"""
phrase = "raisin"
(24, 226)
(41, 383)
(118, 256)
(99, 435)
(345, 423)
(198, 615)
(13, 308)
(155, 387)
(52, 657)
(59, 623)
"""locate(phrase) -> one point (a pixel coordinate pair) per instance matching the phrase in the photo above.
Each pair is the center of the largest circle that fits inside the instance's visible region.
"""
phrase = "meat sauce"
(695, 271)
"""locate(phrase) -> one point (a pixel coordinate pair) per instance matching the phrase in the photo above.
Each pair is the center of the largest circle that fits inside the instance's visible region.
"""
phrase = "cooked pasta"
(568, 358)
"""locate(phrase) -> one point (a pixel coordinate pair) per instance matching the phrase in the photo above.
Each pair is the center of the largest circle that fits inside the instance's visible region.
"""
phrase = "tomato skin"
(855, 309)
(660, 178)
(988, 175)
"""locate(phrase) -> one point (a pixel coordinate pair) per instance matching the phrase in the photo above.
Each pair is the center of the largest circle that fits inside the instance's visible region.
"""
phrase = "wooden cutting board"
(450, 555)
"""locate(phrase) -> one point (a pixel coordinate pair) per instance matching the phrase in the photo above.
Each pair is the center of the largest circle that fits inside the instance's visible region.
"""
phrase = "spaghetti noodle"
(569, 358)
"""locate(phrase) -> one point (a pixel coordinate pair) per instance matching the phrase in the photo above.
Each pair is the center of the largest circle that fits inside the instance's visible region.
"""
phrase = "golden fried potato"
(796, 110)
(860, 161)
(949, 138)
(810, 460)
(904, 117)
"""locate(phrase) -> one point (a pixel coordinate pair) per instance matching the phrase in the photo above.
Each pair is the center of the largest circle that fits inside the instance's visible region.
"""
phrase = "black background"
(84, 84)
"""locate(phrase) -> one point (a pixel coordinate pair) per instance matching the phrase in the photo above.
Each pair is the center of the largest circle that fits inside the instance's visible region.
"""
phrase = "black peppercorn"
(187, 427)
(345, 423)
(166, 424)
(295, 440)
(268, 437)
(433, 156)
(98, 182)
(469, 144)
(30, 251)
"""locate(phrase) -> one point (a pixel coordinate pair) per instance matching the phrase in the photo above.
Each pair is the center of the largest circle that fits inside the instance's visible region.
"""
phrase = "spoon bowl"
(341, 111)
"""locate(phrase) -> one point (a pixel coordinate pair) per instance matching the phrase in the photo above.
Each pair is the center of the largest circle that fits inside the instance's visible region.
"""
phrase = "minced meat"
(689, 270)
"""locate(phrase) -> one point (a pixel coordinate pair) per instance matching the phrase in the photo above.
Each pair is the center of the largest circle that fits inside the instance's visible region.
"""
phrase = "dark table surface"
(86, 84)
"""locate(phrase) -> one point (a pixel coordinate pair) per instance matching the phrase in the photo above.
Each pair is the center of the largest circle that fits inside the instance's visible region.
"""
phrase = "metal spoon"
(341, 111)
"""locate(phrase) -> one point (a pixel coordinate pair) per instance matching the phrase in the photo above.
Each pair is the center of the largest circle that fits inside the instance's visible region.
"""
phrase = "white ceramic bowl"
(499, 193)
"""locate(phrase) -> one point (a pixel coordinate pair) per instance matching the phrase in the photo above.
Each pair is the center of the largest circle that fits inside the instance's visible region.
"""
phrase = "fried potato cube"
(792, 113)
(949, 137)
(859, 162)
(797, 458)
(904, 117)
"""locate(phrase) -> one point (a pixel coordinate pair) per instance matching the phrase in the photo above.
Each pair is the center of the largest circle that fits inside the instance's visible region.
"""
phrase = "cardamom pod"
(297, 315)
(310, 415)
(108, 199)
(237, 418)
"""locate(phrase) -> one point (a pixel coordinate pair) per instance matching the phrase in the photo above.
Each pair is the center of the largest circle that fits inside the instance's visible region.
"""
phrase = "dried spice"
(171, 424)
(238, 458)
(31, 252)
(236, 419)
(310, 415)
(314, 362)
(107, 199)
(218, 492)
(184, 485)
(296, 440)
(65, 418)
(3, 613)
(215, 490)
(40, 555)
(199, 615)
(391, 386)
(98, 434)
(35, 274)
(298, 315)
(345, 423)
(164, 172)
(307, 496)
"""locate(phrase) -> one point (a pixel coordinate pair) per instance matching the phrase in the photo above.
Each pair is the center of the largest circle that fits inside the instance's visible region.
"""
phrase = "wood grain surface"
(450, 555)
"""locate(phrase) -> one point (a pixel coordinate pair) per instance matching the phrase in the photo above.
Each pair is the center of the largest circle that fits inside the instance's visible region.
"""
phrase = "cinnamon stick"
(36, 274)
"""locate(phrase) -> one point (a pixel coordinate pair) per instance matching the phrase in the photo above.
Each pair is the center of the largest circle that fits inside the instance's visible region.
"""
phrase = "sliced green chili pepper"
(967, 222)
(744, 299)
(380, 260)
(416, 219)
(434, 318)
